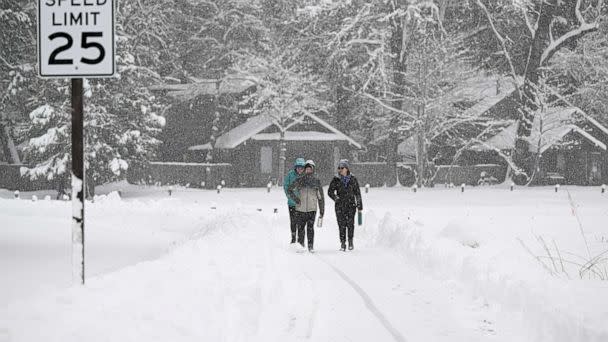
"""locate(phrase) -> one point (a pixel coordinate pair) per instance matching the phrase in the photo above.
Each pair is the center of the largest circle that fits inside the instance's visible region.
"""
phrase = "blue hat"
(300, 162)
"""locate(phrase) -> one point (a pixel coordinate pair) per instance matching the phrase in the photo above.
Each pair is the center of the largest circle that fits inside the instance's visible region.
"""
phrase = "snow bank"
(35, 238)
(553, 309)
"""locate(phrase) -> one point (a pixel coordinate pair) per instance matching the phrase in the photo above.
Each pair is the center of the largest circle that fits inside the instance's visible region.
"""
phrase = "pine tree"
(122, 117)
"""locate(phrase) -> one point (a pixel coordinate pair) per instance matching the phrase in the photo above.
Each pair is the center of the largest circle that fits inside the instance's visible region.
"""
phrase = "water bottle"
(359, 217)
(320, 222)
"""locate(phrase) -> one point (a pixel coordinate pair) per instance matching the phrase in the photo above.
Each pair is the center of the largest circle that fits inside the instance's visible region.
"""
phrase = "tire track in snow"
(315, 307)
(368, 302)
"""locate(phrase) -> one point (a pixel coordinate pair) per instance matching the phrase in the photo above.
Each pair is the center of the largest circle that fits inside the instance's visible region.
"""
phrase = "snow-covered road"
(230, 274)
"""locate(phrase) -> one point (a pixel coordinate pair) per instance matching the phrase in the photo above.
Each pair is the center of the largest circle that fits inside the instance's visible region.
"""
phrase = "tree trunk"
(90, 187)
(399, 67)
(522, 156)
(282, 158)
(392, 157)
(341, 108)
(421, 157)
(216, 122)
(10, 150)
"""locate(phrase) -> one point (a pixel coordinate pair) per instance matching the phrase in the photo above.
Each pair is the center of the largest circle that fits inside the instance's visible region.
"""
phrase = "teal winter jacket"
(291, 176)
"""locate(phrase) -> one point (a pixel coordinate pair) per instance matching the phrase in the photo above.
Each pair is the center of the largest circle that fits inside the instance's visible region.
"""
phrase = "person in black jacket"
(344, 190)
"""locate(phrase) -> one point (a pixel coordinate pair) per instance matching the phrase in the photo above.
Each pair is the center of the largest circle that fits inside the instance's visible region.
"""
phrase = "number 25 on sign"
(76, 38)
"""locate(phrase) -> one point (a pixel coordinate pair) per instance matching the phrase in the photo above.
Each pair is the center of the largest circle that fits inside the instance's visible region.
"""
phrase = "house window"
(266, 159)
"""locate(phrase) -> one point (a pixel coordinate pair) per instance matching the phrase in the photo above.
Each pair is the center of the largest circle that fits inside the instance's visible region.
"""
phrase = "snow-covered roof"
(188, 91)
(333, 129)
(203, 147)
(189, 164)
(300, 136)
(243, 132)
(482, 86)
(556, 124)
(254, 126)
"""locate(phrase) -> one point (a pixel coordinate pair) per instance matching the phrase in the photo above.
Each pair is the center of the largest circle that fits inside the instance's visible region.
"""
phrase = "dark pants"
(346, 222)
(293, 223)
(306, 220)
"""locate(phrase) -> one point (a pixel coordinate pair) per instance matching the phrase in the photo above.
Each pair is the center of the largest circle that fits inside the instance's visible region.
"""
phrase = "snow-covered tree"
(527, 35)
(581, 74)
(120, 127)
(17, 58)
(366, 46)
(283, 92)
(211, 35)
(399, 56)
(122, 117)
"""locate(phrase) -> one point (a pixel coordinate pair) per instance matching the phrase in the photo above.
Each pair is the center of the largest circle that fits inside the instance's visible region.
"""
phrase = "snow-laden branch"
(582, 29)
(564, 39)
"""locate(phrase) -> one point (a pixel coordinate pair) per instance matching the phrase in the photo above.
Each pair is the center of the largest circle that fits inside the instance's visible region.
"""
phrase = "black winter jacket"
(345, 197)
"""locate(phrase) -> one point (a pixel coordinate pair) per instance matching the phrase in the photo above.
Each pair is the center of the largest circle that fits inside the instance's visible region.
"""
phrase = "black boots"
(350, 245)
(293, 238)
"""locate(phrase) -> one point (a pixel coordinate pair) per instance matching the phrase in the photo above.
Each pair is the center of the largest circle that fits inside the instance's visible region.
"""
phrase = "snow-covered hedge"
(373, 174)
(203, 175)
(11, 178)
(469, 174)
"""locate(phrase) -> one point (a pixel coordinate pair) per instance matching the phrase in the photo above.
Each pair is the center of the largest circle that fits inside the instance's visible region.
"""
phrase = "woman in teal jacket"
(292, 175)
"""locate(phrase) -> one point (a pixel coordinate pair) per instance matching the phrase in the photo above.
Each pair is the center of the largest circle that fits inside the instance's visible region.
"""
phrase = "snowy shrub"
(560, 263)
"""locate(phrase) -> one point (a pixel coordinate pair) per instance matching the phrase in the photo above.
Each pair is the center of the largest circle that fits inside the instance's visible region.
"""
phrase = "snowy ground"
(437, 265)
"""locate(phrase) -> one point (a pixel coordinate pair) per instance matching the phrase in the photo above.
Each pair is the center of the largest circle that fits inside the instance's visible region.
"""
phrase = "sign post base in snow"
(78, 184)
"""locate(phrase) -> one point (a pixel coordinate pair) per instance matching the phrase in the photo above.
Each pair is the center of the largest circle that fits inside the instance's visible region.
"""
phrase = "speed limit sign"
(76, 38)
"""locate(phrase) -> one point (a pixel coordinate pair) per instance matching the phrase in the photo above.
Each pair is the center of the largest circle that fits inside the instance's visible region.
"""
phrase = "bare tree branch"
(501, 40)
(10, 66)
(531, 28)
(385, 106)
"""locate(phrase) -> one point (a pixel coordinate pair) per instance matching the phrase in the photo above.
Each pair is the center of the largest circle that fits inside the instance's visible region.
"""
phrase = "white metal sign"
(76, 38)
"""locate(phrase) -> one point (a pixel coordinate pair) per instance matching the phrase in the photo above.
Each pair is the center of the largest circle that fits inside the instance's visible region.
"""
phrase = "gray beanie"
(343, 163)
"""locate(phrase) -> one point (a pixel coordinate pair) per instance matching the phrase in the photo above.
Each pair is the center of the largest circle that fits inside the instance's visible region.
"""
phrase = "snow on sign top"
(76, 38)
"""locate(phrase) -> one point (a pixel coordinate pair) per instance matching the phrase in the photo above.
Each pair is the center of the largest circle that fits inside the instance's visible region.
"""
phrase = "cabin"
(250, 144)
(252, 148)
(571, 145)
